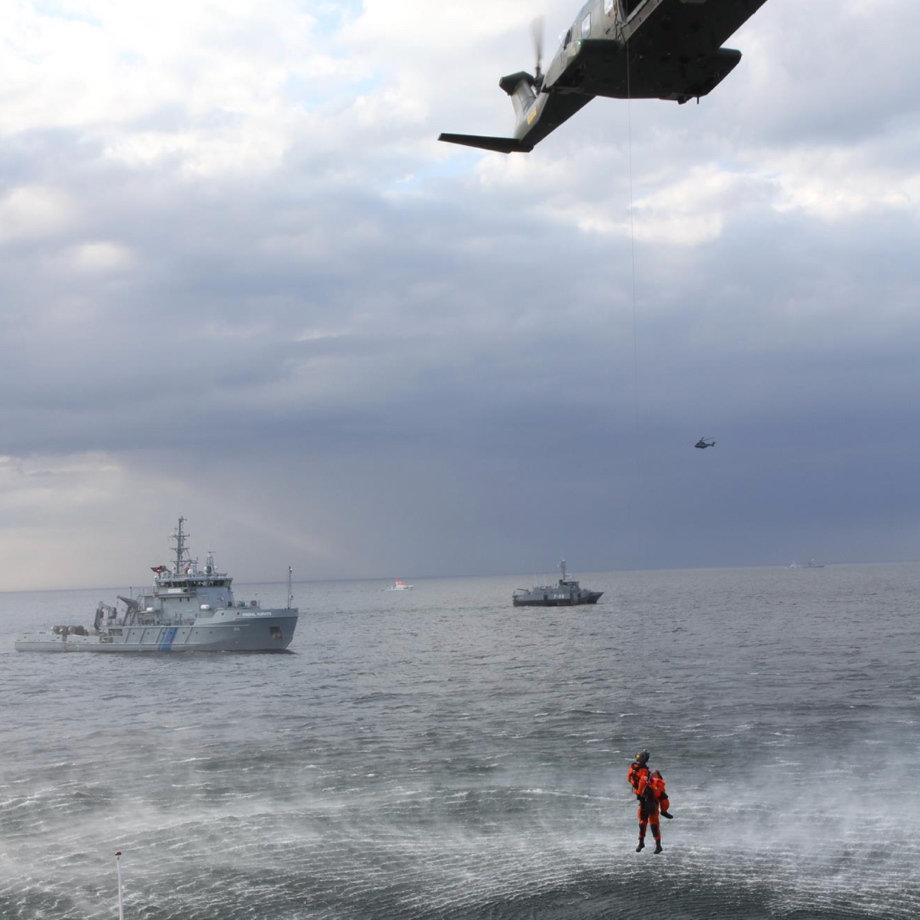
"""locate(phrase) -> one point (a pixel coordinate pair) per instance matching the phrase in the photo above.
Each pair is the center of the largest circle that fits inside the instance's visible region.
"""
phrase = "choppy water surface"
(440, 754)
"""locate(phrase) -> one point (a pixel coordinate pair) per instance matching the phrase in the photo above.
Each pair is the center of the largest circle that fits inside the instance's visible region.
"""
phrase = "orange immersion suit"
(637, 774)
(652, 798)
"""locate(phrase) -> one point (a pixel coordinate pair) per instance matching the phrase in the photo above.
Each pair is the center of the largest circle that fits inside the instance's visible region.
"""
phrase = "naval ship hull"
(261, 631)
(190, 608)
(567, 592)
(547, 600)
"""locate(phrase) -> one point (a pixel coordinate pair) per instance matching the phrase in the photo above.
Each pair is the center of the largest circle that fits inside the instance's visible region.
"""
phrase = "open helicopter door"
(628, 7)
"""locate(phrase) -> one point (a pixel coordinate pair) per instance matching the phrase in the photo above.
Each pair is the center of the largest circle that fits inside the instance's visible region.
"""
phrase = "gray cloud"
(372, 355)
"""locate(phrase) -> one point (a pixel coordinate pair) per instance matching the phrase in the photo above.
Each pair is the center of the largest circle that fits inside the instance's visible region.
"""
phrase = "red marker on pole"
(121, 907)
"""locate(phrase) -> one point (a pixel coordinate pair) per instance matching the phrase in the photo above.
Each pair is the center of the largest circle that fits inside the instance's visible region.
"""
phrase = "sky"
(241, 281)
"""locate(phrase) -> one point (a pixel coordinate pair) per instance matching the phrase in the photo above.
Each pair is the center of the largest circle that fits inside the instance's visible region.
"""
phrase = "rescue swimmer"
(650, 791)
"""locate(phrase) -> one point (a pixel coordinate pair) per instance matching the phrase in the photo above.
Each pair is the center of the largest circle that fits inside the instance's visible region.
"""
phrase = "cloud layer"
(243, 282)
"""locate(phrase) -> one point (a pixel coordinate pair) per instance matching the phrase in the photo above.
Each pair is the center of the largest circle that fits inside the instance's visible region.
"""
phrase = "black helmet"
(642, 757)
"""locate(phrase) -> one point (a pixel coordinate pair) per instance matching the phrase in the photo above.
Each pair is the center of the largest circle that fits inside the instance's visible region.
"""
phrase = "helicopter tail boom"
(498, 144)
(521, 87)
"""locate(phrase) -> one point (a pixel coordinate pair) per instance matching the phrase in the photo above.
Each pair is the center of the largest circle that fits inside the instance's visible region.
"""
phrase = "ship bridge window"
(608, 6)
(586, 26)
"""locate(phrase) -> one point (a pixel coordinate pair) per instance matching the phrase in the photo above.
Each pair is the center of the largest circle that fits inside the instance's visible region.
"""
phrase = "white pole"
(121, 906)
(290, 596)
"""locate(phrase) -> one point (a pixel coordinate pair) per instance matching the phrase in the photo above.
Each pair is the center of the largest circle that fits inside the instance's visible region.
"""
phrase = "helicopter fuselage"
(623, 49)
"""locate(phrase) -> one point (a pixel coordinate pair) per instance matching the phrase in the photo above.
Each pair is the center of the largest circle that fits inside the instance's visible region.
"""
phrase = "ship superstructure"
(189, 608)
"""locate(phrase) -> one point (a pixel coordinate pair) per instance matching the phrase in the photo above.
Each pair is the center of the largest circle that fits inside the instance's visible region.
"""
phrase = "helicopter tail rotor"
(523, 88)
(536, 31)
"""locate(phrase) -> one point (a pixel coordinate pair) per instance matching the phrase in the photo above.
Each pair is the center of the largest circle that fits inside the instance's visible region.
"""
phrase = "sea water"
(438, 753)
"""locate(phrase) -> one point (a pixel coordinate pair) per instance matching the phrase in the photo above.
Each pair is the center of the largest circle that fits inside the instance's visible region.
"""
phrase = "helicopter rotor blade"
(536, 30)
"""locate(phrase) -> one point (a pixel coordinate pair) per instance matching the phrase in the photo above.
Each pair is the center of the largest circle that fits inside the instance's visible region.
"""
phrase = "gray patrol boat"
(189, 609)
(567, 593)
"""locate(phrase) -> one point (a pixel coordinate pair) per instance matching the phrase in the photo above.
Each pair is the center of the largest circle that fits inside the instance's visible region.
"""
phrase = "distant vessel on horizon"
(190, 609)
(566, 593)
(808, 565)
(399, 585)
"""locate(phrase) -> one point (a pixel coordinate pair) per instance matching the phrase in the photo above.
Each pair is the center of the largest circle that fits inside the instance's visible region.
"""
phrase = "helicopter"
(703, 443)
(622, 49)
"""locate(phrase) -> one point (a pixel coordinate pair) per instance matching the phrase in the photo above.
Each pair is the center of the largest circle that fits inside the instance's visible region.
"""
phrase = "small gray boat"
(189, 609)
(567, 593)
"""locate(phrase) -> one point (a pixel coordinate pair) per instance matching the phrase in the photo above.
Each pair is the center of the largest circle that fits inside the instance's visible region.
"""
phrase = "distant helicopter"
(703, 443)
(674, 50)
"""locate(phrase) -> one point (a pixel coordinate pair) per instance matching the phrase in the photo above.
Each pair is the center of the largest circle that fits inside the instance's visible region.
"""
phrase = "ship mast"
(562, 566)
(180, 539)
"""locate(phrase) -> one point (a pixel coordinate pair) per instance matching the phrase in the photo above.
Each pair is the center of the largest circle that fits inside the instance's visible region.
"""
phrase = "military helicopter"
(623, 49)
(703, 443)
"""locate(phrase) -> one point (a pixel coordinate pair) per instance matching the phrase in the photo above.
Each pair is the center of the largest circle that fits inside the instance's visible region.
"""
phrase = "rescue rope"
(632, 230)
(632, 253)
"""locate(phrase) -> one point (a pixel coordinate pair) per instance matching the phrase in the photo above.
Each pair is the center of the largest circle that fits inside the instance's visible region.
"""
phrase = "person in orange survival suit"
(638, 774)
(652, 799)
